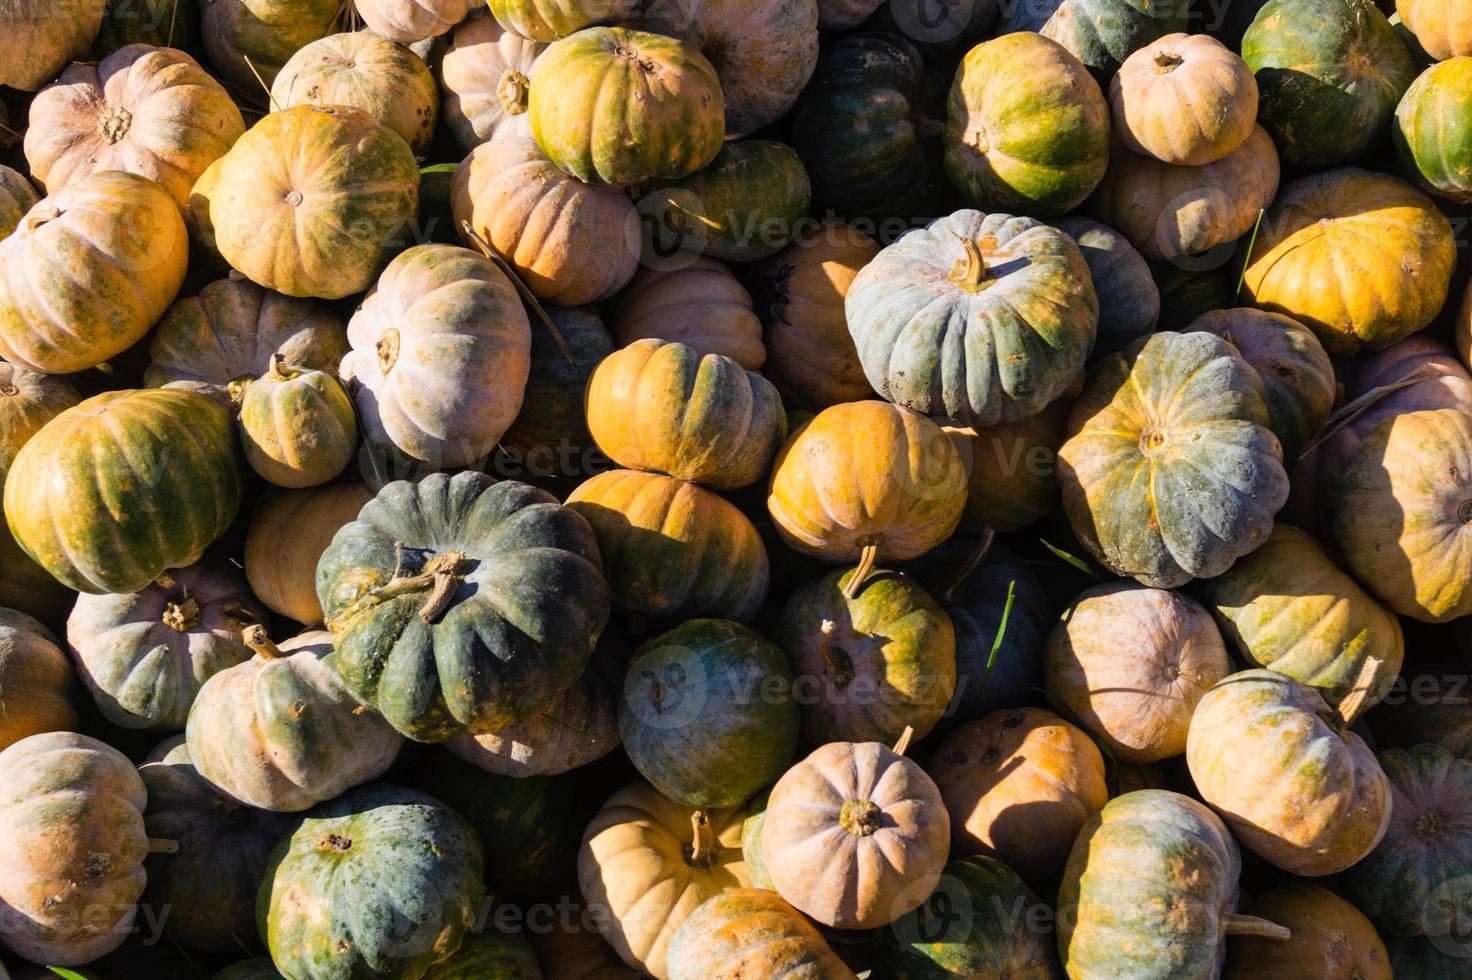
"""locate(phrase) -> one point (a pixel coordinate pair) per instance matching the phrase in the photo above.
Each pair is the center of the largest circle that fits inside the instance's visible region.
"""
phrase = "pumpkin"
(663, 407)
(980, 318)
(1401, 520)
(870, 666)
(1012, 473)
(939, 30)
(646, 864)
(1129, 300)
(27, 587)
(149, 111)
(1329, 75)
(864, 131)
(1100, 33)
(486, 75)
(1185, 294)
(855, 835)
(257, 969)
(672, 550)
(161, 23)
(1329, 232)
(1184, 99)
(1025, 761)
(409, 21)
(1331, 938)
(1027, 129)
(490, 955)
(1152, 885)
(1426, 706)
(570, 242)
(365, 71)
(799, 296)
(622, 106)
(310, 200)
(71, 857)
(484, 598)
(1427, 959)
(144, 655)
(118, 233)
(1429, 140)
(382, 880)
(441, 349)
(1170, 472)
(572, 948)
(1297, 377)
(1289, 607)
(36, 681)
(548, 20)
(751, 929)
(248, 41)
(751, 840)
(866, 481)
(1130, 664)
(840, 15)
(700, 304)
(966, 929)
(40, 39)
(210, 882)
(282, 732)
(17, 196)
(128, 483)
(1294, 784)
(288, 533)
(297, 427)
(27, 402)
(1440, 27)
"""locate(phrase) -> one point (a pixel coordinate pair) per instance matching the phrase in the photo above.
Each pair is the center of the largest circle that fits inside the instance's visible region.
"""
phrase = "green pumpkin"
(862, 127)
(257, 969)
(1171, 472)
(1187, 293)
(161, 23)
(490, 956)
(248, 41)
(1433, 129)
(869, 666)
(1428, 959)
(1129, 299)
(751, 840)
(1418, 879)
(128, 483)
(708, 714)
(1329, 76)
(297, 426)
(381, 882)
(209, 884)
(462, 605)
(1027, 128)
(982, 318)
(1100, 33)
(744, 207)
(548, 20)
(619, 106)
(972, 926)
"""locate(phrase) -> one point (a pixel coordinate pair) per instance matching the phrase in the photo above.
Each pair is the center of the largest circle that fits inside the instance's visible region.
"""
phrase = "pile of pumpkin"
(755, 514)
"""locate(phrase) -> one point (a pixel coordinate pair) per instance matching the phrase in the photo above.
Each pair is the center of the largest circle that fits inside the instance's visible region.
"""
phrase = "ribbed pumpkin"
(88, 271)
(1129, 300)
(647, 864)
(548, 20)
(126, 484)
(310, 200)
(487, 79)
(363, 70)
(1100, 33)
(209, 884)
(297, 426)
(980, 318)
(71, 857)
(1130, 664)
(855, 835)
(249, 40)
(751, 930)
(840, 15)
(29, 588)
(672, 550)
(1441, 27)
(1329, 75)
(662, 406)
(570, 242)
(42, 38)
(1027, 129)
(1018, 785)
(573, 949)
(1171, 472)
(1331, 232)
(441, 349)
(288, 533)
(1427, 706)
(1331, 938)
(17, 196)
(282, 731)
(1403, 512)
(1430, 138)
(1169, 211)
(1289, 607)
(1185, 99)
(27, 402)
(380, 881)
(622, 106)
(1012, 468)
(37, 684)
(150, 111)
(700, 304)
(410, 21)
(1293, 783)
(870, 666)
(162, 23)
(1426, 959)
(1152, 885)
(799, 296)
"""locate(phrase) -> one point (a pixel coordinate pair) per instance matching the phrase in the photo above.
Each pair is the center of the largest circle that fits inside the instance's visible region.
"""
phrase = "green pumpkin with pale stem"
(381, 882)
(1100, 33)
(1433, 136)
(297, 427)
(462, 605)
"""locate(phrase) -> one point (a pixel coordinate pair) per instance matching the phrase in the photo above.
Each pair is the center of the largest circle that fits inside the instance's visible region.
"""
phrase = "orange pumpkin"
(288, 533)
(1443, 28)
(37, 682)
(699, 304)
(1185, 99)
(40, 38)
(27, 402)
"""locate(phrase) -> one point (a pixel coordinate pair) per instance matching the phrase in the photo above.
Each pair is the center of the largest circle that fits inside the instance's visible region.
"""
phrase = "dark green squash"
(1428, 959)
(1129, 300)
(490, 956)
(1190, 287)
(939, 29)
(1100, 33)
(1428, 705)
(1433, 130)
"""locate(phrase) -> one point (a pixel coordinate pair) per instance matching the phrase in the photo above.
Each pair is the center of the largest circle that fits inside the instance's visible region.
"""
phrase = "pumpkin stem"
(837, 662)
(259, 642)
(512, 92)
(983, 545)
(702, 840)
(903, 745)
(161, 845)
(445, 571)
(279, 371)
(862, 818)
(866, 565)
(1167, 62)
(1251, 925)
(973, 274)
(182, 616)
(527, 296)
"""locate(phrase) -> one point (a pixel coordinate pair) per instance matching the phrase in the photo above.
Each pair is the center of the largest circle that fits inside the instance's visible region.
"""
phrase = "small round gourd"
(1185, 99)
(700, 304)
(37, 683)
(297, 427)
(751, 930)
(17, 196)
(486, 75)
(288, 533)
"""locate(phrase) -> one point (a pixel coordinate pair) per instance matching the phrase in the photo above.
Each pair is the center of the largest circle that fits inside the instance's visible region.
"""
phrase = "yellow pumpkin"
(27, 402)
(17, 196)
(40, 38)
(700, 304)
(90, 269)
(1442, 27)
(37, 682)
(288, 533)
(1185, 99)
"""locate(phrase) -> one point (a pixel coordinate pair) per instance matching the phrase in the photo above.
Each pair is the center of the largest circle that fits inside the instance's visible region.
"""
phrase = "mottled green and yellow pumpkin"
(548, 20)
(1027, 128)
(27, 402)
(17, 196)
(751, 930)
(248, 41)
(88, 271)
(128, 483)
(1330, 938)
(297, 426)
(1427, 705)
(1431, 138)
(486, 75)
(1443, 28)
(411, 21)
(699, 303)
(1100, 33)
(288, 533)
(1012, 468)
(1185, 99)
(42, 38)
(1129, 299)
(37, 683)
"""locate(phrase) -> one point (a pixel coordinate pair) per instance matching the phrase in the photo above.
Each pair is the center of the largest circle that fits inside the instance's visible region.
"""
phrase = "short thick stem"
(702, 840)
(259, 643)
(861, 818)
